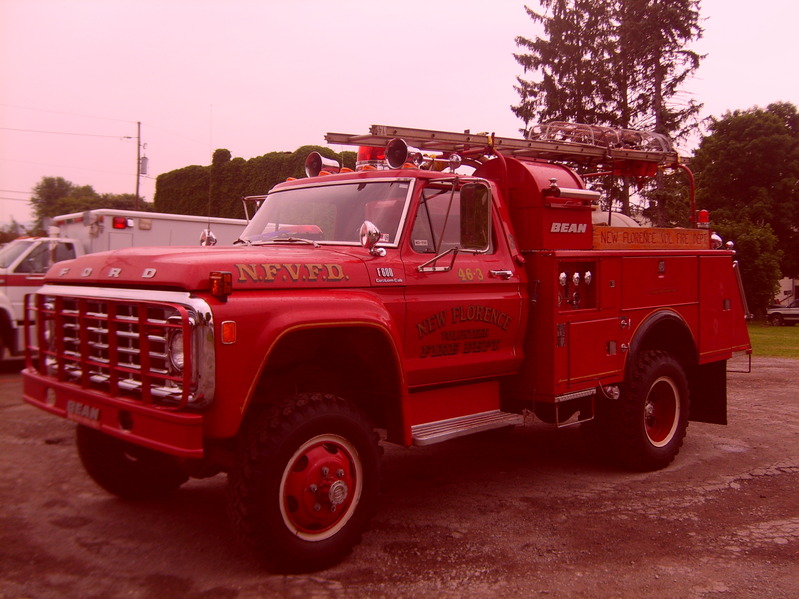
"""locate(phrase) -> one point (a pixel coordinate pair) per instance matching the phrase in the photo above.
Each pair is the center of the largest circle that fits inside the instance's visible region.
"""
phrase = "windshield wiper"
(286, 240)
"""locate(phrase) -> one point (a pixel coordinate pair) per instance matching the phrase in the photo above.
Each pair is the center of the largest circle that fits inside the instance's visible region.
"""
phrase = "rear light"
(120, 222)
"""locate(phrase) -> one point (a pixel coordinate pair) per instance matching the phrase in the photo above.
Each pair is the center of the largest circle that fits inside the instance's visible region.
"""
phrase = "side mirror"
(370, 235)
(475, 200)
(207, 237)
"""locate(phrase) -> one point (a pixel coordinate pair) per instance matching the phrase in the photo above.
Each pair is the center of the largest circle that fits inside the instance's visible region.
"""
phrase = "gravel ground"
(535, 512)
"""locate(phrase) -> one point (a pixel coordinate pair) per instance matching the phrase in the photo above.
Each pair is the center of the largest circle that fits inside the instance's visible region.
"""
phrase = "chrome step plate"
(443, 430)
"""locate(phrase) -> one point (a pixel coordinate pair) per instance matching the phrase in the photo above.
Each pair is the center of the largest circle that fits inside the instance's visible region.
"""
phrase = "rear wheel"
(651, 416)
(776, 320)
(127, 470)
(306, 481)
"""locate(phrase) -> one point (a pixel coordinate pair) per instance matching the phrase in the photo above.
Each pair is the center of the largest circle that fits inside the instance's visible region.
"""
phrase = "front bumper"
(162, 429)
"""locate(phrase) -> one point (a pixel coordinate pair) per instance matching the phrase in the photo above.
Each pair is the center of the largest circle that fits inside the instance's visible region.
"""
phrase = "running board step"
(443, 430)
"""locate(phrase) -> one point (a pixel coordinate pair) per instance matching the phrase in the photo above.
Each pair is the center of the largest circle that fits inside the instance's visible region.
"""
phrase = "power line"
(85, 116)
(66, 133)
(66, 166)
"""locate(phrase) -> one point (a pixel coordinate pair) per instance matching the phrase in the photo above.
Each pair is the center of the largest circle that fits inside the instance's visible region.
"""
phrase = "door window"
(437, 227)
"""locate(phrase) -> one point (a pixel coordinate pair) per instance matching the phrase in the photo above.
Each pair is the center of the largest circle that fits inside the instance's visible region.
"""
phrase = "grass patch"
(775, 342)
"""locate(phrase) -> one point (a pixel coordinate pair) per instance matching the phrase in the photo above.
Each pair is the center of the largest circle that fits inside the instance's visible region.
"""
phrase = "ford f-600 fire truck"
(408, 300)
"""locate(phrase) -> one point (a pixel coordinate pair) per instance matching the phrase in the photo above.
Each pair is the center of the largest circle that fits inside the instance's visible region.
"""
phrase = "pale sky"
(255, 76)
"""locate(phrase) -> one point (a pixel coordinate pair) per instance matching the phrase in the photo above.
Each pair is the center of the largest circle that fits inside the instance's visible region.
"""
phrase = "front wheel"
(127, 470)
(306, 482)
(651, 416)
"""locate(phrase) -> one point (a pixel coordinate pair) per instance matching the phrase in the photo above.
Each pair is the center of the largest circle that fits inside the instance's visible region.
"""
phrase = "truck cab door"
(462, 292)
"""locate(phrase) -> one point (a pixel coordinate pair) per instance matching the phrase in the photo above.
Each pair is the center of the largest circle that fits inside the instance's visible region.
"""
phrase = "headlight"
(175, 349)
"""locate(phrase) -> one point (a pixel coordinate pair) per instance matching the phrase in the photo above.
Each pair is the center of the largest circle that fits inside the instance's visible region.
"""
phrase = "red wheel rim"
(321, 487)
(662, 411)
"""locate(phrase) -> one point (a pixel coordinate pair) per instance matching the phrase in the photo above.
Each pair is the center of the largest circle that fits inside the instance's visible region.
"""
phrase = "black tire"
(127, 470)
(776, 320)
(306, 482)
(650, 418)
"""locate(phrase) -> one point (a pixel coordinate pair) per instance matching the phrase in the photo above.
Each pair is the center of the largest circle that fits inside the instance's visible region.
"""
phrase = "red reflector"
(120, 222)
(228, 329)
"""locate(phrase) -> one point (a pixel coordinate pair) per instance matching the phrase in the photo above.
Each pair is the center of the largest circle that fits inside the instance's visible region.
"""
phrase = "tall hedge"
(217, 189)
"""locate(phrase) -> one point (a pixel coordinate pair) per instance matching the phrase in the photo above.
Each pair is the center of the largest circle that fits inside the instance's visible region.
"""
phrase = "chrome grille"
(118, 346)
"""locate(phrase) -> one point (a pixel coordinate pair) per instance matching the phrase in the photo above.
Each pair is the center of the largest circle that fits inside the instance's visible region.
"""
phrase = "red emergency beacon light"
(121, 222)
(370, 158)
(703, 220)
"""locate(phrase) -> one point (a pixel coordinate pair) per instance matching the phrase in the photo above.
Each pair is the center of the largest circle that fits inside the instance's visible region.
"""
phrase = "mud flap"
(708, 393)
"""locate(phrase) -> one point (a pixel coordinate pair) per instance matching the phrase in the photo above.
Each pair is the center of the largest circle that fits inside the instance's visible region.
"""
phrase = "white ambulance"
(24, 261)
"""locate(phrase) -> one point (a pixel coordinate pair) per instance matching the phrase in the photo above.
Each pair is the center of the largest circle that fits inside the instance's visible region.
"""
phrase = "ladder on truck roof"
(585, 144)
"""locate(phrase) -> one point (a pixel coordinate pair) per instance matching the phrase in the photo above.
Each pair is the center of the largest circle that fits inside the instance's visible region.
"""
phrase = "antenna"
(211, 152)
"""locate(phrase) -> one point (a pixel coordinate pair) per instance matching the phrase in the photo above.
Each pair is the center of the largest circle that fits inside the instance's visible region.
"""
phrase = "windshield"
(12, 251)
(331, 213)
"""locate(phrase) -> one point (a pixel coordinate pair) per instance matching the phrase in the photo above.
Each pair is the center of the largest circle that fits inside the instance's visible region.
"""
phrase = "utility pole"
(138, 161)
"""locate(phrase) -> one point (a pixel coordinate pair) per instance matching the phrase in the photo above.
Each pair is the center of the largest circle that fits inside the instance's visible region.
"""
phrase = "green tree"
(216, 190)
(54, 196)
(570, 61)
(124, 201)
(652, 62)
(747, 168)
(11, 231)
(619, 63)
(48, 193)
(758, 259)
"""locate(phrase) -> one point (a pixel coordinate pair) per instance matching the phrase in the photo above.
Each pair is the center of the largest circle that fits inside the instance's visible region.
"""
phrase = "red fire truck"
(453, 283)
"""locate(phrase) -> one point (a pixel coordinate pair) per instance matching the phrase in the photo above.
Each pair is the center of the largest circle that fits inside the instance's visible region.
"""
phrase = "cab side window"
(64, 251)
(45, 255)
(36, 262)
(437, 226)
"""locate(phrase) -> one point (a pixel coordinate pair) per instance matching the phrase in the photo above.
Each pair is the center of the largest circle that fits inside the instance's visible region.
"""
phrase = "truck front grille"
(117, 346)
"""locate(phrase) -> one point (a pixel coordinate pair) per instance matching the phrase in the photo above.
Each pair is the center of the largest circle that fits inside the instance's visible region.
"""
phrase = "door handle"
(502, 274)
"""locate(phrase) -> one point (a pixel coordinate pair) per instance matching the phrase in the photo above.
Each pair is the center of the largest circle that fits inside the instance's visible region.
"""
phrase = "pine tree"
(620, 63)
(571, 61)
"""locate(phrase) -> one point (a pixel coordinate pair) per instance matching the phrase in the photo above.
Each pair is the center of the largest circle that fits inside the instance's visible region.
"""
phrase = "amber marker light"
(228, 332)
(221, 284)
